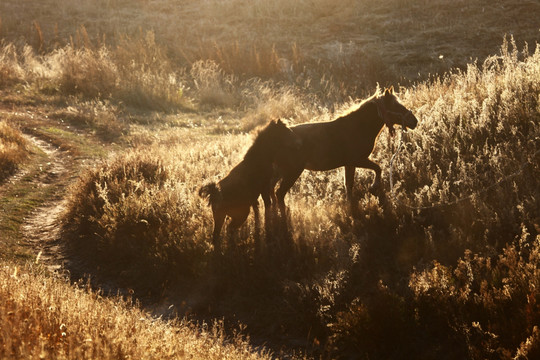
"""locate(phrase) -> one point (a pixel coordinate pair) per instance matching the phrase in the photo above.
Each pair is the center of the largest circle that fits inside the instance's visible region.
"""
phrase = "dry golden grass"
(337, 269)
(46, 317)
(405, 35)
(152, 54)
(13, 149)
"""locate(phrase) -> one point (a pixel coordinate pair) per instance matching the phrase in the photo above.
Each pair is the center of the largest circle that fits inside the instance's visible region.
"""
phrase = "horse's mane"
(372, 98)
(356, 106)
(259, 144)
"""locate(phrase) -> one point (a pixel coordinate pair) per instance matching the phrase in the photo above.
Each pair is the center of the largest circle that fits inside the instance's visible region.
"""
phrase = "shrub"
(11, 71)
(214, 87)
(85, 71)
(131, 218)
(489, 303)
(13, 149)
(99, 115)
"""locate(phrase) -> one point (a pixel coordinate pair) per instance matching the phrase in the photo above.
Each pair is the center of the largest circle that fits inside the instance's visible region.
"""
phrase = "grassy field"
(152, 99)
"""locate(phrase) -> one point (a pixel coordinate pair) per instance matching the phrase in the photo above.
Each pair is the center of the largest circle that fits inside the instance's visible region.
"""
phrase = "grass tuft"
(13, 149)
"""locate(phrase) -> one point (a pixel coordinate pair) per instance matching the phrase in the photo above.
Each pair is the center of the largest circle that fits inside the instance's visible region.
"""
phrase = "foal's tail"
(210, 192)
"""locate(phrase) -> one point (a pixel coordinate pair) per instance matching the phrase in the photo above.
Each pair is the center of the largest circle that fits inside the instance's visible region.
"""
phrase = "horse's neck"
(258, 156)
(371, 122)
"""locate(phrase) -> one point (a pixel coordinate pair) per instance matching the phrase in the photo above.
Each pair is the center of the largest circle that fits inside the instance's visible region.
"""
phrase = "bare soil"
(41, 229)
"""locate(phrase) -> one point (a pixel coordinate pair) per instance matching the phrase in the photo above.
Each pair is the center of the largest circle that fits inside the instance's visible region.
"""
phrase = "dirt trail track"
(41, 228)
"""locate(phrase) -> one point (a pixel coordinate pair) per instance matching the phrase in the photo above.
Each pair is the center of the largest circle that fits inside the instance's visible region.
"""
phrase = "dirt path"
(41, 229)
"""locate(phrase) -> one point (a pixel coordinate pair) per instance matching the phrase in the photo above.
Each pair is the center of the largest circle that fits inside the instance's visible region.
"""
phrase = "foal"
(238, 191)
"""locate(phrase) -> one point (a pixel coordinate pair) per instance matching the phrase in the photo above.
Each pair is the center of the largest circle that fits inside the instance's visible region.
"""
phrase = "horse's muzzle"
(410, 120)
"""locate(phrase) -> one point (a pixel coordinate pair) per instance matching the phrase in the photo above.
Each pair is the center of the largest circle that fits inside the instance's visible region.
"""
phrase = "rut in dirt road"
(41, 229)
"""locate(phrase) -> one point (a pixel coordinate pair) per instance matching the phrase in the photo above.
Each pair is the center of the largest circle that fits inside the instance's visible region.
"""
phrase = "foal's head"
(393, 112)
(273, 140)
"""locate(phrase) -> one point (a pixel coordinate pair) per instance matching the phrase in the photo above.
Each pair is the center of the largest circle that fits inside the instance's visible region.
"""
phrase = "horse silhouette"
(237, 192)
(347, 141)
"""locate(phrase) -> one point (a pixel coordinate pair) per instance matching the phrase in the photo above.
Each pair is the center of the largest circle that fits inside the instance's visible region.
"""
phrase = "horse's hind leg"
(239, 218)
(276, 176)
(269, 199)
(255, 207)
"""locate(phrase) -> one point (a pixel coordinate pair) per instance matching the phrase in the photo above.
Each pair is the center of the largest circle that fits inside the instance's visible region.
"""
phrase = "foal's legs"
(239, 218)
(219, 219)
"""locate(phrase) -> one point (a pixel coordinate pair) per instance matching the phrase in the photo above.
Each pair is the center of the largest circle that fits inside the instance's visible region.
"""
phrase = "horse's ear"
(281, 122)
(389, 91)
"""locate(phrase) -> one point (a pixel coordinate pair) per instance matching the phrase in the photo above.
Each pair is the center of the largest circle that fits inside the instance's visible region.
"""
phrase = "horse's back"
(328, 145)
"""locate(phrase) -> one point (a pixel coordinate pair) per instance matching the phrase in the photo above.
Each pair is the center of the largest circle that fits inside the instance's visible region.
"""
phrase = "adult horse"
(238, 191)
(347, 141)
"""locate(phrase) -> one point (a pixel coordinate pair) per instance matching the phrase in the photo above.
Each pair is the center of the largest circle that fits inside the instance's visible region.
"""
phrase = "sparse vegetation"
(447, 268)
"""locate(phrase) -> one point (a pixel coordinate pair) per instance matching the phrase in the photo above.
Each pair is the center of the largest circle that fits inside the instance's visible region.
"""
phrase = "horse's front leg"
(368, 164)
(349, 181)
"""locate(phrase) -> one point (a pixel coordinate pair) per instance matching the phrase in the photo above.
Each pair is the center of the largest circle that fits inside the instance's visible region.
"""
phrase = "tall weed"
(14, 149)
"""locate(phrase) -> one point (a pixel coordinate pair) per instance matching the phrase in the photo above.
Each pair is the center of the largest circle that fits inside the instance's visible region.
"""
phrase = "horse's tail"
(211, 192)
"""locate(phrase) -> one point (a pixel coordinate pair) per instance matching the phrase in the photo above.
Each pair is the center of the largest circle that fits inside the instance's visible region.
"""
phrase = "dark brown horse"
(240, 189)
(347, 141)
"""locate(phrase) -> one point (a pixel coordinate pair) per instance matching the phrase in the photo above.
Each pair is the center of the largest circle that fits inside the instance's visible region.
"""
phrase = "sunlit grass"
(46, 317)
(13, 149)
(477, 126)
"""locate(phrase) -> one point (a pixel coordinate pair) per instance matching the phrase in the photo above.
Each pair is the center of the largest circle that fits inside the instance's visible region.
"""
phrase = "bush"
(13, 149)
(130, 218)
(91, 73)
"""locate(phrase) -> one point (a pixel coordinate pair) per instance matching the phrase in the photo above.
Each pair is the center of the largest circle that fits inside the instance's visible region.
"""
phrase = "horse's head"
(275, 139)
(393, 112)
(281, 136)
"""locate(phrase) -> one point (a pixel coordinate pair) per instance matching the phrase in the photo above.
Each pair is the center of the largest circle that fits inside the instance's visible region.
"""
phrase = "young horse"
(347, 141)
(234, 194)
